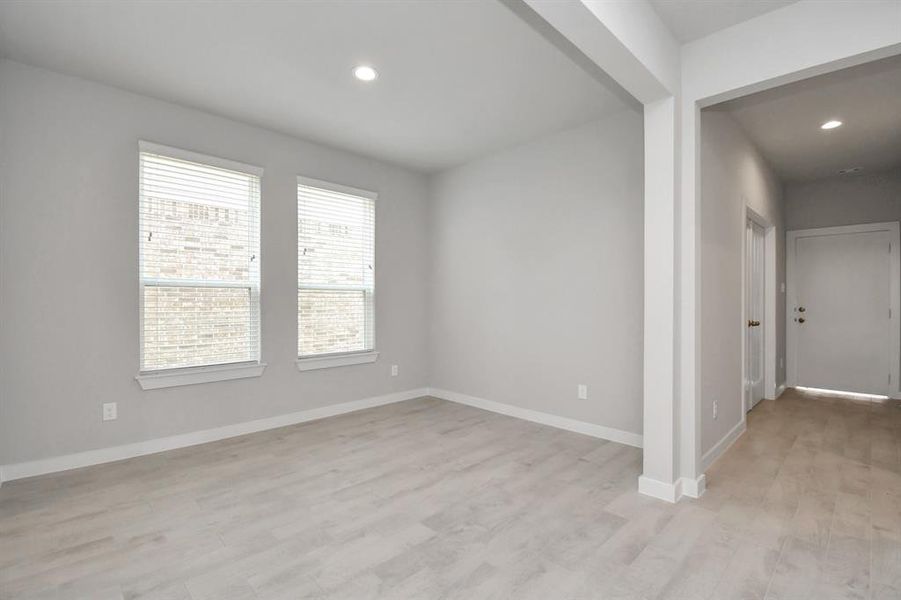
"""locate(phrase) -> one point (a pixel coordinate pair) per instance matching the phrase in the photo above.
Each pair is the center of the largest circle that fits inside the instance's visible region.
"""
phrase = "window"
(335, 273)
(199, 261)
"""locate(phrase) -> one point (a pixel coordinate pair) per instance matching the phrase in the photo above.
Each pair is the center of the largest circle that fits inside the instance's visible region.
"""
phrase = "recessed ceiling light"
(831, 125)
(365, 73)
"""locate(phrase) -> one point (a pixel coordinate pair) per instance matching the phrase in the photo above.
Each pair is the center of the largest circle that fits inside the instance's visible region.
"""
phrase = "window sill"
(193, 375)
(338, 360)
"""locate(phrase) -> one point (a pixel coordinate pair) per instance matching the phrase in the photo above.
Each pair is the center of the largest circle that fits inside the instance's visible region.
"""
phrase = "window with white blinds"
(335, 269)
(199, 260)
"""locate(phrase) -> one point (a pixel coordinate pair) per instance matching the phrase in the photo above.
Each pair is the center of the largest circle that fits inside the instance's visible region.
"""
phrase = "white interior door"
(842, 309)
(754, 314)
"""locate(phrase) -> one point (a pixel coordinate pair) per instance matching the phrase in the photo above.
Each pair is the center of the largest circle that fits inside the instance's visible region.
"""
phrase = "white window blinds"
(199, 260)
(335, 269)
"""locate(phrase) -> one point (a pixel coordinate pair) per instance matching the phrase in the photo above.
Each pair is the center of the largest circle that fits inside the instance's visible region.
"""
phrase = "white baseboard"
(105, 455)
(672, 492)
(694, 488)
(88, 458)
(598, 431)
(669, 492)
(724, 444)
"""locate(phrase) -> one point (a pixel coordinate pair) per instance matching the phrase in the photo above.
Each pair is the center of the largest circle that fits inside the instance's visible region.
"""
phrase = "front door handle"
(753, 323)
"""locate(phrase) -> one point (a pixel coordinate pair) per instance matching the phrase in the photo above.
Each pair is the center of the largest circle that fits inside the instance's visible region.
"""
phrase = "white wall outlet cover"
(715, 406)
(583, 391)
(394, 370)
(110, 412)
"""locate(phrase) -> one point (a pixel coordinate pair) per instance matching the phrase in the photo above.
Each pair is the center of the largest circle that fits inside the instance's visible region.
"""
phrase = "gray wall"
(518, 280)
(537, 275)
(733, 176)
(844, 200)
(68, 257)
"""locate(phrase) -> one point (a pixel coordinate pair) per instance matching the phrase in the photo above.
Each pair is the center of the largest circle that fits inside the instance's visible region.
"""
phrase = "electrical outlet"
(715, 407)
(583, 391)
(110, 412)
(394, 370)
(782, 287)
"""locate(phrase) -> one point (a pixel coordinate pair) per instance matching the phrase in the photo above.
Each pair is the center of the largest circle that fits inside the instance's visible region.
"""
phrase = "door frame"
(791, 342)
(769, 307)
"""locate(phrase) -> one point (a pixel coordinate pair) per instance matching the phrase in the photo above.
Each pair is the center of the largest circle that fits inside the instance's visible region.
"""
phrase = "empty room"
(574, 299)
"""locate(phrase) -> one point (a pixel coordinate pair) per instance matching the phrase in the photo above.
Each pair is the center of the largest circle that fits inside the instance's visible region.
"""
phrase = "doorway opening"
(815, 153)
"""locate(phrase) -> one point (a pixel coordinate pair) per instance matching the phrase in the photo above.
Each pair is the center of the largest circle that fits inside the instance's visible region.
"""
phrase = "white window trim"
(343, 359)
(337, 187)
(197, 157)
(327, 361)
(164, 378)
(153, 380)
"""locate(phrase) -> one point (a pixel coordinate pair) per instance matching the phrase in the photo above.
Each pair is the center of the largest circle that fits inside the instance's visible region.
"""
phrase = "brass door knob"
(753, 323)
(801, 309)
(801, 319)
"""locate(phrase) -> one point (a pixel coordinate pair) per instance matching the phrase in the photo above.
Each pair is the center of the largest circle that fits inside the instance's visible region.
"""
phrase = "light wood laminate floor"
(429, 499)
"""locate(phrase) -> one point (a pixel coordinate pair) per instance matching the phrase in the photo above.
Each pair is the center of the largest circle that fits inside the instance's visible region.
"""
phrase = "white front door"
(842, 331)
(754, 314)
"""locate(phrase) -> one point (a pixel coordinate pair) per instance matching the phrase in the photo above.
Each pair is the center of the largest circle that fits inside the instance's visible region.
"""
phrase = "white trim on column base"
(672, 492)
(668, 492)
(115, 453)
(694, 488)
(527, 414)
(686, 486)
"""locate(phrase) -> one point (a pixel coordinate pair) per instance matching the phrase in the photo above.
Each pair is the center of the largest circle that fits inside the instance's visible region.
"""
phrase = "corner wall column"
(660, 474)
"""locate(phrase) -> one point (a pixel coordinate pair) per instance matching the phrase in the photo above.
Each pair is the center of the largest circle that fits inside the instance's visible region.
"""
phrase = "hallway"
(813, 493)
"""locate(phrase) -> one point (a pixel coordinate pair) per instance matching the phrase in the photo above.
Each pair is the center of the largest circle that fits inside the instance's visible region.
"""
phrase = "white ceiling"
(784, 123)
(693, 19)
(457, 79)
